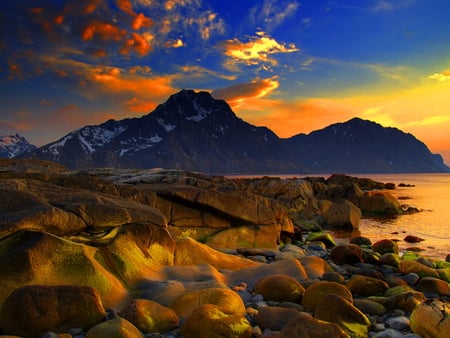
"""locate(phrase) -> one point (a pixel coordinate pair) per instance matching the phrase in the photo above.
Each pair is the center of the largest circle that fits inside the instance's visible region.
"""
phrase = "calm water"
(431, 194)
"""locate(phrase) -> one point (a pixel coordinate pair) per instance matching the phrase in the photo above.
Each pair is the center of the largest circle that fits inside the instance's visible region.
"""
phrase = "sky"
(292, 65)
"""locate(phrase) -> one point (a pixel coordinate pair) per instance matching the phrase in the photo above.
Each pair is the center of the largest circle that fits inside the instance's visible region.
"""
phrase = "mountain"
(14, 145)
(361, 146)
(190, 131)
(193, 131)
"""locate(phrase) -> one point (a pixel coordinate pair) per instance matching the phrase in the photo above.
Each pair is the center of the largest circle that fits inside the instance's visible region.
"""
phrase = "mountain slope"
(361, 146)
(190, 131)
(14, 145)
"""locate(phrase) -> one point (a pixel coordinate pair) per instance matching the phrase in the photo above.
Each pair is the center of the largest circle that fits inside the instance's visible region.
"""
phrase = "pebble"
(398, 323)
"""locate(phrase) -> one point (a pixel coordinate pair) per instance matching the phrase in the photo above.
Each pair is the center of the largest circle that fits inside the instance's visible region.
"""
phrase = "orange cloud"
(141, 21)
(105, 31)
(237, 94)
(136, 43)
(125, 6)
(257, 50)
(137, 105)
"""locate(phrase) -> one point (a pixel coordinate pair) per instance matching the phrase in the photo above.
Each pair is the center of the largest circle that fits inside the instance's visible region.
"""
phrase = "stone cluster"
(110, 253)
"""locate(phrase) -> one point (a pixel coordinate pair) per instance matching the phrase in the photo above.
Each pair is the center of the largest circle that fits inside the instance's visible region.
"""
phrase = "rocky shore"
(163, 253)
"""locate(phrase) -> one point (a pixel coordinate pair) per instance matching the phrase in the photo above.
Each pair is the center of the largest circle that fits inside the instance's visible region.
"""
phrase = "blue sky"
(294, 66)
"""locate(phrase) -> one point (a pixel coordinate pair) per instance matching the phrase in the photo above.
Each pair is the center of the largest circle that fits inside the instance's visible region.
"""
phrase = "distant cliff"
(193, 131)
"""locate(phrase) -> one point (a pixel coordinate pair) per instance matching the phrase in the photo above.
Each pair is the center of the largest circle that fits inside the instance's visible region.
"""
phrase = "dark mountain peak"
(189, 105)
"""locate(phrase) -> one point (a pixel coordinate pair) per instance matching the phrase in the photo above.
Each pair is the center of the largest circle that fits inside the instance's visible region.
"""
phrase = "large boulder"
(29, 257)
(280, 288)
(227, 300)
(379, 202)
(209, 320)
(114, 328)
(32, 310)
(316, 292)
(336, 309)
(431, 319)
(304, 325)
(343, 215)
(149, 316)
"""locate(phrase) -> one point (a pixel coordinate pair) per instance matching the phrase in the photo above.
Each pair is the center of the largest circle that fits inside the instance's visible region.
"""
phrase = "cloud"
(441, 77)
(270, 14)
(259, 49)
(238, 93)
(382, 6)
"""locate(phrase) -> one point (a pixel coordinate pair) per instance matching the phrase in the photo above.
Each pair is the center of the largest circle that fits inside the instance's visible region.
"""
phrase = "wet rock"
(209, 320)
(274, 318)
(35, 309)
(378, 202)
(317, 291)
(431, 319)
(315, 266)
(227, 300)
(369, 307)
(149, 316)
(307, 326)
(366, 286)
(408, 266)
(399, 323)
(344, 215)
(333, 276)
(413, 239)
(361, 241)
(346, 254)
(391, 259)
(385, 246)
(114, 328)
(433, 286)
(280, 288)
(336, 309)
(323, 237)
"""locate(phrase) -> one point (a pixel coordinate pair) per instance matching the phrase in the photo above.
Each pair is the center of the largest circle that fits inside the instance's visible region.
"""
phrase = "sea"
(430, 194)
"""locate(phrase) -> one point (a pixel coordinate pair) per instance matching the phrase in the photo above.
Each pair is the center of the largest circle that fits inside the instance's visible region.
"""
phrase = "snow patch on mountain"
(135, 144)
(13, 145)
(167, 127)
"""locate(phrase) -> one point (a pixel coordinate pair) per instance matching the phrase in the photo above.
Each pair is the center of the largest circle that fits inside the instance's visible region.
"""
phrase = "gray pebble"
(398, 323)
(389, 333)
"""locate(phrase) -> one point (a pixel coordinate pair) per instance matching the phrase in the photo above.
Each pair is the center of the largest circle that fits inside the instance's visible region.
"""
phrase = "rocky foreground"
(160, 253)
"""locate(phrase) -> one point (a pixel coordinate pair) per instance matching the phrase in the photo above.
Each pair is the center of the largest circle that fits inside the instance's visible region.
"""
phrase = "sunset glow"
(293, 66)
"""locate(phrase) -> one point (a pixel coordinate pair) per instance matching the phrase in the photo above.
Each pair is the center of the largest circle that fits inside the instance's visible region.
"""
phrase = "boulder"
(227, 300)
(346, 254)
(210, 321)
(29, 257)
(433, 286)
(274, 318)
(288, 267)
(343, 215)
(369, 307)
(34, 309)
(317, 291)
(315, 266)
(378, 202)
(323, 237)
(336, 309)
(190, 252)
(114, 328)
(280, 288)
(431, 319)
(307, 326)
(149, 316)
(163, 292)
(385, 246)
(408, 266)
(366, 286)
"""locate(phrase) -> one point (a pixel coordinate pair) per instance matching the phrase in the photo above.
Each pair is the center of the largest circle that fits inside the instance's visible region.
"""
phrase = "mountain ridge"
(13, 145)
(193, 131)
